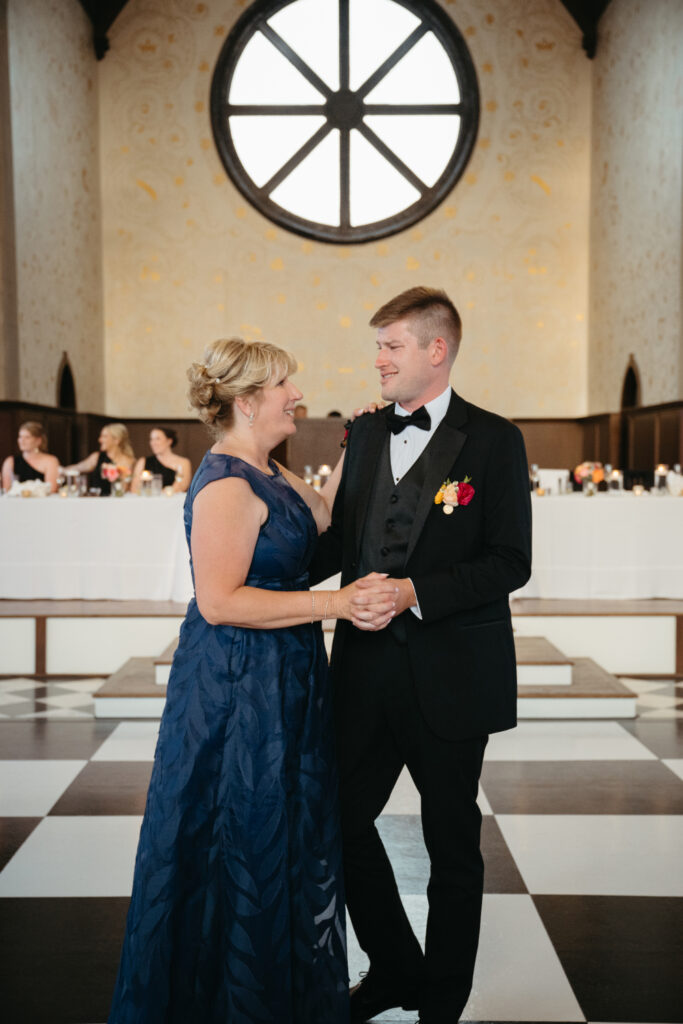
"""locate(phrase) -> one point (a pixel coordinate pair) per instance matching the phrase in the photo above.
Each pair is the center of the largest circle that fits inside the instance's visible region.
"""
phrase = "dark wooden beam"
(587, 14)
(102, 14)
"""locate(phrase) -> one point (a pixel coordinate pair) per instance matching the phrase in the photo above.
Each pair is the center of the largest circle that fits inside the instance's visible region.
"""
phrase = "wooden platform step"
(162, 664)
(540, 663)
(593, 693)
(133, 692)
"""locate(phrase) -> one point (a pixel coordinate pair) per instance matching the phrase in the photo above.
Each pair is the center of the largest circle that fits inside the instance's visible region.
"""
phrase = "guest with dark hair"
(175, 470)
(31, 461)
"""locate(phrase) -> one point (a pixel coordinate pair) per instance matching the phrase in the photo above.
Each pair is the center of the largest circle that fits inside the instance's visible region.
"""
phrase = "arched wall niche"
(630, 389)
(66, 386)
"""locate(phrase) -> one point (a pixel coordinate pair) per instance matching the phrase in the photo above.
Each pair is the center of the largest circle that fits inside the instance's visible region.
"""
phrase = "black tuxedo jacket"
(463, 566)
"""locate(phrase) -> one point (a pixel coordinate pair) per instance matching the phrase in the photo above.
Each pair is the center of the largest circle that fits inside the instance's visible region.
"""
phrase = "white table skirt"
(123, 549)
(133, 548)
(606, 546)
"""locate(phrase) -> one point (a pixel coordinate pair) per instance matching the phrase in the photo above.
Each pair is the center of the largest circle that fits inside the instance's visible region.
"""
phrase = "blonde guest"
(175, 470)
(115, 449)
(32, 460)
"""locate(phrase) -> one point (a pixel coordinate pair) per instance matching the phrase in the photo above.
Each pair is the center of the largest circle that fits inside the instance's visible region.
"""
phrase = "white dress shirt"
(407, 447)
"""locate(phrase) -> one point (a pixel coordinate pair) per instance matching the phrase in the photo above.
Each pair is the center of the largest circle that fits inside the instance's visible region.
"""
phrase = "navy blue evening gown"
(237, 912)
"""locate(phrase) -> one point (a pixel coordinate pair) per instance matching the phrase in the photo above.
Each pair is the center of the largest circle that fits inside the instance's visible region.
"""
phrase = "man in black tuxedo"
(435, 493)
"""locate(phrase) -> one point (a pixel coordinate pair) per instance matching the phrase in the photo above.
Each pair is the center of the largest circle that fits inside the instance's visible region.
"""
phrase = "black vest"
(391, 511)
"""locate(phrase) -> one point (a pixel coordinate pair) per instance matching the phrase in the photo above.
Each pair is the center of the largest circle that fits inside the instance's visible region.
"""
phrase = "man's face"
(406, 371)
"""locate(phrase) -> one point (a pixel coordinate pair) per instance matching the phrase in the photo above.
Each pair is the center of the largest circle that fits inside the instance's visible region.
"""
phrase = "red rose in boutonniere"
(465, 492)
(453, 493)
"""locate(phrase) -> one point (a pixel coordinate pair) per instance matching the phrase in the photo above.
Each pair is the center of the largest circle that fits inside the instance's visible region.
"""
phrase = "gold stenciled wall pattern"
(637, 203)
(186, 259)
(54, 107)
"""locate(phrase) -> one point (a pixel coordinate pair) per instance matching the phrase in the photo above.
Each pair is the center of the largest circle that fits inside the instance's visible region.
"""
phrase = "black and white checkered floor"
(582, 836)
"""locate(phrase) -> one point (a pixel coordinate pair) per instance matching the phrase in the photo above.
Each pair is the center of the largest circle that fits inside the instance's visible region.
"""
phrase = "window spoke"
(343, 44)
(345, 180)
(294, 58)
(296, 159)
(278, 109)
(391, 61)
(413, 108)
(391, 157)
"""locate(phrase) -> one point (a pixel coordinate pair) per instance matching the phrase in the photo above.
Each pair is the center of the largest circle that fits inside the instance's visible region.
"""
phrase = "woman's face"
(27, 442)
(275, 411)
(159, 443)
(106, 440)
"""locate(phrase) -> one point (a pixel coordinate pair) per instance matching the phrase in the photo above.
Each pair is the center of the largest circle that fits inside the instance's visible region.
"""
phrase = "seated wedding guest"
(32, 461)
(175, 470)
(116, 450)
(300, 411)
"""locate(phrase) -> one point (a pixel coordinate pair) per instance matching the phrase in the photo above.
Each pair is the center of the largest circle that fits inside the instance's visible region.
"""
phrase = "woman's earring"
(251, 419)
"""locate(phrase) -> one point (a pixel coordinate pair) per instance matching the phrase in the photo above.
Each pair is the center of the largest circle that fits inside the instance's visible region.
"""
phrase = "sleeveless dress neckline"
(271, 462)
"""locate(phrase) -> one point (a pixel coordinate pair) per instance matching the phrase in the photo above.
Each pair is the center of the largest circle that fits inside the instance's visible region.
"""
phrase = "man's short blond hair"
(431, 315)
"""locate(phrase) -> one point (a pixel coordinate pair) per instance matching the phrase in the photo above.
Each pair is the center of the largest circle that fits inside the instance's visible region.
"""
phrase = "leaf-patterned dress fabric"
(237, 912)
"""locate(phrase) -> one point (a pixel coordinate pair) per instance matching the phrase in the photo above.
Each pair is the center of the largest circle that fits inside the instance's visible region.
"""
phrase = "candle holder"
(661, 472)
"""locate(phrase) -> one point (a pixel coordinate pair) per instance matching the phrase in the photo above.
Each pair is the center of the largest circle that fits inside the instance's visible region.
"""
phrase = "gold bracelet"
(327, 604)
(313, 606)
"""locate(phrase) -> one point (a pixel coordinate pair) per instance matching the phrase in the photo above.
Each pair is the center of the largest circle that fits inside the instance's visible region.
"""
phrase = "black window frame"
(342, 109)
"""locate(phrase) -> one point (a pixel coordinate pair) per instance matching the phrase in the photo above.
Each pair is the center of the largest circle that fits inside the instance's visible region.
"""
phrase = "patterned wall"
(53, 89)
(187, 260)
(637, 203)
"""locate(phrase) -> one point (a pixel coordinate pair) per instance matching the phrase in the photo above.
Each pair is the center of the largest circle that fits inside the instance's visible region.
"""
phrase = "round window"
(344, 120)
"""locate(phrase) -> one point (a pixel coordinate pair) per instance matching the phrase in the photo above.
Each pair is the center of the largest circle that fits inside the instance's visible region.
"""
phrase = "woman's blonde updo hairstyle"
(119, 431)
(233, 368)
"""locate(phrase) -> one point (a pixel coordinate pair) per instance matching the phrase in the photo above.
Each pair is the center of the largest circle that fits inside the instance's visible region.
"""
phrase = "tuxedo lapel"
(373, 446)
(440, 454)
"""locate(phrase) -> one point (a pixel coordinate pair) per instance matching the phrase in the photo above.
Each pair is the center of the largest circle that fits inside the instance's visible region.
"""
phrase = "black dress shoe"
(370, 997)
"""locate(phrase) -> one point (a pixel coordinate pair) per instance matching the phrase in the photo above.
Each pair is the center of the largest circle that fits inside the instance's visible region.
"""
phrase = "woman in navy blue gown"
(237, 912)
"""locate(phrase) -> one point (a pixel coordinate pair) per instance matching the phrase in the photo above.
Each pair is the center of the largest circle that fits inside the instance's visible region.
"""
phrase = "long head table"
(611, 545)
(133, 548)
(129, 548)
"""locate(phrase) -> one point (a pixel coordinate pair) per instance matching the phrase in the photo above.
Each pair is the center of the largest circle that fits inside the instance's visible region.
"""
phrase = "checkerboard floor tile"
(582, 835)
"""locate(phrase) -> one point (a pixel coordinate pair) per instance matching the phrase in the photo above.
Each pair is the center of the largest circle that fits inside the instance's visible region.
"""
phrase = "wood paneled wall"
(636, 439)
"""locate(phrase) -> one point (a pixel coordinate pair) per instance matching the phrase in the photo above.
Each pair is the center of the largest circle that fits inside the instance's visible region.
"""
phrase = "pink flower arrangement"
(111, 472)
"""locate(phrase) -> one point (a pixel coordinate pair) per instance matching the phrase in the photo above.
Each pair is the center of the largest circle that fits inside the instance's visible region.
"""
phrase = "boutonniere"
(453, 493)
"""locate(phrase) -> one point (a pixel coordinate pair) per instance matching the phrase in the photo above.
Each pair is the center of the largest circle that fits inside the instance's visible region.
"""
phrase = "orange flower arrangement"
(589, 471)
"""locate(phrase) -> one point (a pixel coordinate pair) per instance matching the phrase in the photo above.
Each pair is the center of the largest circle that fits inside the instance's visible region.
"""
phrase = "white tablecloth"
(129, 548)
(606, 546)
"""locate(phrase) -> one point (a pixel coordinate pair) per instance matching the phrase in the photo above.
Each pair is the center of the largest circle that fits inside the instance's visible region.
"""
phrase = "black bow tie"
(420, 418)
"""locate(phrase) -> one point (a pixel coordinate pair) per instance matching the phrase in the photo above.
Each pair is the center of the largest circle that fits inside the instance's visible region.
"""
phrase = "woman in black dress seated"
(115, 450)
(32, 461)
(175, 470)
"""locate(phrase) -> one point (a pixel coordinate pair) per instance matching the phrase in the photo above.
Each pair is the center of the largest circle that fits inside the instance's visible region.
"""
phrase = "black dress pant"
(379, 729)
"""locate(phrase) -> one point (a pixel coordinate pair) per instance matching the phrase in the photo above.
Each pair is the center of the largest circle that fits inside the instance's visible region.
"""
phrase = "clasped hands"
(372, 601)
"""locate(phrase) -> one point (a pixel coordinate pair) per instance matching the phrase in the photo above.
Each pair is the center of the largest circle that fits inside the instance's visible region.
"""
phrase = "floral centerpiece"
(592, 471)
(29, 489)
(117, 476)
